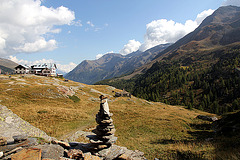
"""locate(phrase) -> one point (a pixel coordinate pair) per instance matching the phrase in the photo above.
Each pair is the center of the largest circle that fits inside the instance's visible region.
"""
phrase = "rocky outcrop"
(207, 118)
(12, 125)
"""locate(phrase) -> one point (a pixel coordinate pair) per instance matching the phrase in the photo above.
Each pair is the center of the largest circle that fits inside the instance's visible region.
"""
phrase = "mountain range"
(112, 65)
(201, 70)
(217, 30)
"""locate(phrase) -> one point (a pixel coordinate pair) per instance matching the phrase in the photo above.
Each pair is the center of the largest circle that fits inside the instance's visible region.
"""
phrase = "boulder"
(51, 151)
(207, 118)
(20, 138)
(115, 151)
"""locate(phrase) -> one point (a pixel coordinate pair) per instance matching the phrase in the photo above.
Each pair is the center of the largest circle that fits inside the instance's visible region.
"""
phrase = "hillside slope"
(7, 63)
(112, 65)
(59, 108)
(7, 66)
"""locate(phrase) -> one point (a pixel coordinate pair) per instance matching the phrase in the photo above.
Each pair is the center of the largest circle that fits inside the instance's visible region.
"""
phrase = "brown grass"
(159, 130)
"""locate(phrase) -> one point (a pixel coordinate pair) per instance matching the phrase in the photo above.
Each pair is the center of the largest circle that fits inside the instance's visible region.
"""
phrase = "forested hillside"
(210, 82)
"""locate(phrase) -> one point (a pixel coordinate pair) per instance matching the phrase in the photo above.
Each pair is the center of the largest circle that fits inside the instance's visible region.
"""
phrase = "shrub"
(74, 98)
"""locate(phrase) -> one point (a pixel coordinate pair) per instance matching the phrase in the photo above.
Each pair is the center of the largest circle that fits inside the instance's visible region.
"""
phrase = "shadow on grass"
(171, 141)
(224, 143)
(199, 134)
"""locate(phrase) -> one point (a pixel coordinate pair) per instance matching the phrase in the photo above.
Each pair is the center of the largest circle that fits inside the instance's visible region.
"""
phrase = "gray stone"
(115, 151)
(12, 125)
(101, 133)
(65, 145)
(207, 118)
(51, 151)
(20, 138)
(136, 155)
(29, 142)
(108, 137)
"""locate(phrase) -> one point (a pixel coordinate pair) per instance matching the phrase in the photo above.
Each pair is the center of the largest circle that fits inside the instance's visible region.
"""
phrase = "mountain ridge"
(197, 40)
(111, 65)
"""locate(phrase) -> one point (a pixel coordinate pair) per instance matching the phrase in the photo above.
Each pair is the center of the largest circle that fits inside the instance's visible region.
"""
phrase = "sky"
(66, 32)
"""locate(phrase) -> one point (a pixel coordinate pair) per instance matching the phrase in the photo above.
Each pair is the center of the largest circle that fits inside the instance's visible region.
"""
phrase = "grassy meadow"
(159, 130)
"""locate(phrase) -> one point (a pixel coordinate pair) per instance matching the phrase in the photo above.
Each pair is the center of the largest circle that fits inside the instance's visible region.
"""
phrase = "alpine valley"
(201, 70)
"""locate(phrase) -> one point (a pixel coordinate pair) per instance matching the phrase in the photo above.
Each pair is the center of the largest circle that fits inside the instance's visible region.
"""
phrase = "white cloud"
(37, 46)
(61, 67)
(100, 55)
(201, 16)
(167, 31)
(231, 2)
(90, 23)
(23, 25)
(26, 62)
(66, 67)
(77, 23)
(130, 47)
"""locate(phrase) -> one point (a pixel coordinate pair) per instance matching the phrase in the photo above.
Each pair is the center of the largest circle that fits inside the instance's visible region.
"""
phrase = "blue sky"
(69, 31)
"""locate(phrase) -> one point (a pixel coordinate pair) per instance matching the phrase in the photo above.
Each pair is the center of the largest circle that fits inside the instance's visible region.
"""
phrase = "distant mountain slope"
(201, 70)
(112, 65)
(6, 70)
(7, 66)
(7, 63)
